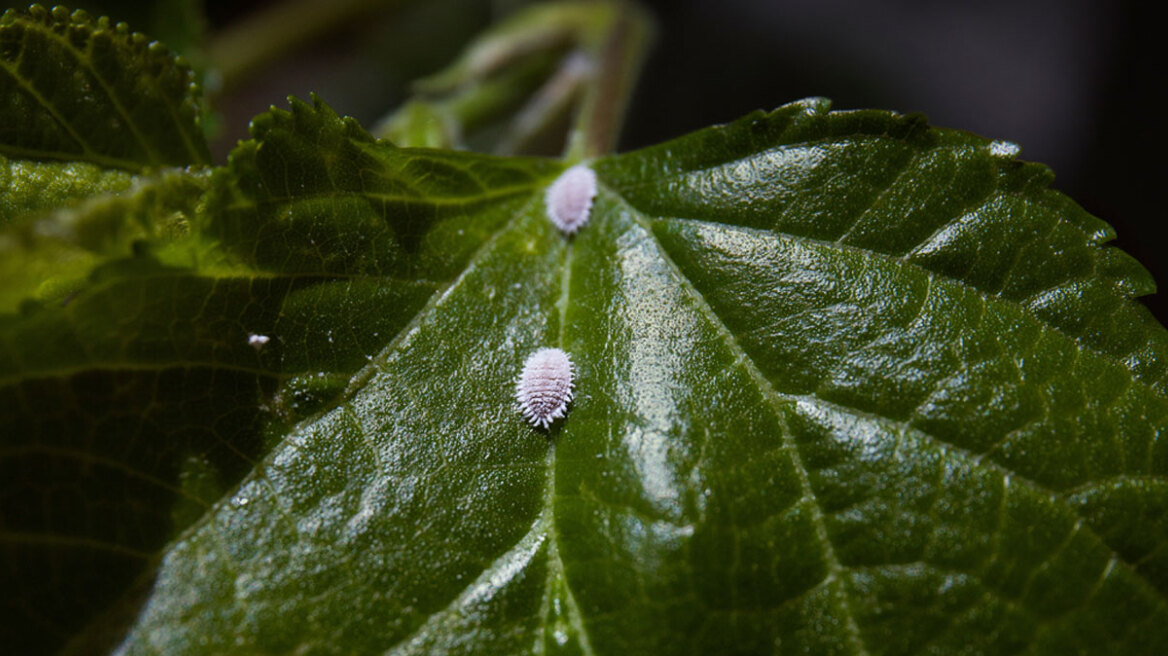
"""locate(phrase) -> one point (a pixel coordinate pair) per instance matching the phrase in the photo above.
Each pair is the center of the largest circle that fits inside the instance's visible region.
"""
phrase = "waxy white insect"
(545, 386)
(257, 342)
(569, 198)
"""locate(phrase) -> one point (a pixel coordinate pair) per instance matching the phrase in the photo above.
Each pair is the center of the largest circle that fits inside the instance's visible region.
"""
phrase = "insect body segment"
(569, 199)
(545, 386)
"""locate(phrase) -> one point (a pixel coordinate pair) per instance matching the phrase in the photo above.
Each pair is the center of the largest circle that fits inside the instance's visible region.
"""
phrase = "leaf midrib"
(72, 541)
(119, 367)
(109, 463)
(556, 569)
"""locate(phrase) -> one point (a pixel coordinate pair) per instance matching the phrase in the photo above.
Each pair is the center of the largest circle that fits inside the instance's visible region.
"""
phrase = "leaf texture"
(27, 189)
(72, 218)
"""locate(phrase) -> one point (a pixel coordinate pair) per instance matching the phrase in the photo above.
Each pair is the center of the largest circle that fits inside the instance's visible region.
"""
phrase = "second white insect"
(569, 199)
(544, 388)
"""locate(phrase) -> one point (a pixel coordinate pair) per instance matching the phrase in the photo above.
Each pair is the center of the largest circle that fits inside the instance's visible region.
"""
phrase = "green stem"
(619, 61)
(468, 108)
(595, 50)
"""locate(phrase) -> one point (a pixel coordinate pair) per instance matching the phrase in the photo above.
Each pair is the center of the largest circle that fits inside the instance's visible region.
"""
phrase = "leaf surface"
(845, 384)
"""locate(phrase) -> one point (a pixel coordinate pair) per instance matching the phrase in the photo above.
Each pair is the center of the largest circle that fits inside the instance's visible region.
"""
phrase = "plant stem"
(598, 48)
(553, 100)
(618, 66)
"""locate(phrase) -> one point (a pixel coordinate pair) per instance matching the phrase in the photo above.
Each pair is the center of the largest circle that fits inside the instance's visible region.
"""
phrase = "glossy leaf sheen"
(845, 384)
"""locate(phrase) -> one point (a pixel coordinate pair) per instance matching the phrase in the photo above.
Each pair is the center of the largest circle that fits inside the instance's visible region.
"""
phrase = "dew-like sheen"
(569, 198)
(545, 386)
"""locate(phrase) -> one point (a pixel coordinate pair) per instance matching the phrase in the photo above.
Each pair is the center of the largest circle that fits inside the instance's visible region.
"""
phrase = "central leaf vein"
(556, 569)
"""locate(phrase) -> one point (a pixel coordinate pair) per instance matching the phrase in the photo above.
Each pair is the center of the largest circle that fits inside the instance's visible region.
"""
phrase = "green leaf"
(845, 384)
(55, 240)
(79, 89)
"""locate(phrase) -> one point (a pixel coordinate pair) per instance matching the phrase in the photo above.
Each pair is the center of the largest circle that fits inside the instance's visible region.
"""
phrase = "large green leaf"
(846, 384)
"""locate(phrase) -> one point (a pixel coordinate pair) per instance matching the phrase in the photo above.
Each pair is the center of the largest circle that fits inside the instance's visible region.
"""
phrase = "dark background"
(1073, 82)
(1070, 81)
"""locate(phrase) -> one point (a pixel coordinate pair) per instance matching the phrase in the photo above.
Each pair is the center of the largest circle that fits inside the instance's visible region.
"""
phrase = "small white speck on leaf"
(545, 386)
(569, 198)
(257, 342)
(1005, 149)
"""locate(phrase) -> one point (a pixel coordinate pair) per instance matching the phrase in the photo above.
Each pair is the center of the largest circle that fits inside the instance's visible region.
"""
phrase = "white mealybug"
(257, 342)
(569, 199)
(545, 386)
